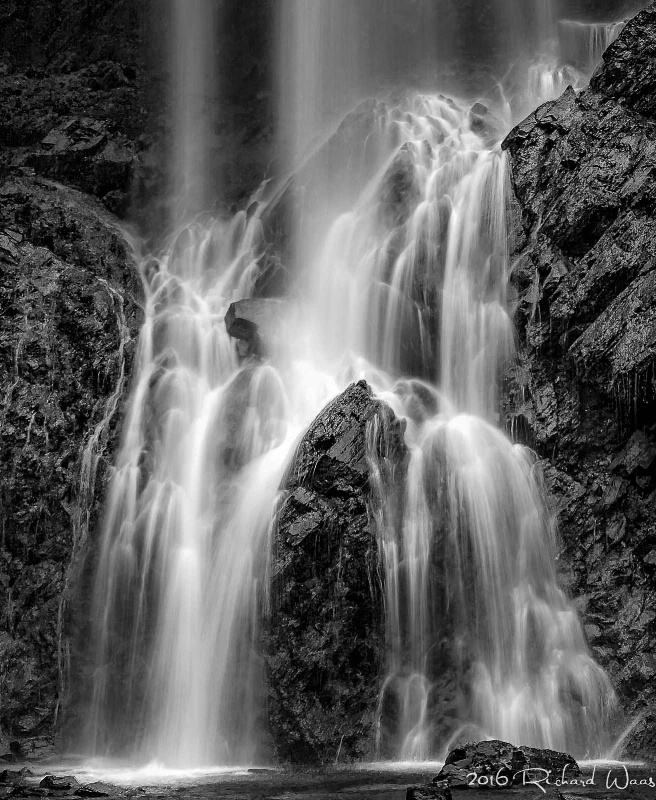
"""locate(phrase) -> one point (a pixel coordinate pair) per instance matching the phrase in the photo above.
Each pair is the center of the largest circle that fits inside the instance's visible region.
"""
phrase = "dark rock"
(83, 152)
(485, 124)
(642, 737)
(67, 333)
(59, 783)
(582, 393)
(324, 676)
(628, 70)
(25, 789)
(256, 324)
(108, 75)
(430, 791)
(621, 342)
(498, 765)
(639, 454)
(98, 789)
(10, 776)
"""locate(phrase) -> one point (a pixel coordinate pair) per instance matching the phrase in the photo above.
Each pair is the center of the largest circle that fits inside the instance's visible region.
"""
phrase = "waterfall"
(178, 593)
(194, 96)
(395, 196)
(582, 43)
(402, 266)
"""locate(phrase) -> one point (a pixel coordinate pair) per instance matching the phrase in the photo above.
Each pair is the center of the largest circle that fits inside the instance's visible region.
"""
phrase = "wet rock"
(59, 783)
(434, 791)
(485, 124)
(639, 454)
(26, 789)
(621, 342)
(108, 75)
(67, 336)
(583, 394)
(642, 737)
(12, 775)
(256, 324)
(628, 69)
(83, 152)
(498, 765)
(324, 676)
(98, 789)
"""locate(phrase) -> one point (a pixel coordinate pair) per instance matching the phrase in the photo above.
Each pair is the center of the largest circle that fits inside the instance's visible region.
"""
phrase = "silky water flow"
(397, 209)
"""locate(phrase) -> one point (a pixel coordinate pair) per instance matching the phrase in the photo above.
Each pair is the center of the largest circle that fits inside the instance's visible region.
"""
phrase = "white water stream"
(400, 269)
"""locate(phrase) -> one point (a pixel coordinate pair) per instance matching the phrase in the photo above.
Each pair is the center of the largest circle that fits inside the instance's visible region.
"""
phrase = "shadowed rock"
(255, 324)
(430, 791)
(324, 639)
(496, 765)
(67, 336)
(583, 391)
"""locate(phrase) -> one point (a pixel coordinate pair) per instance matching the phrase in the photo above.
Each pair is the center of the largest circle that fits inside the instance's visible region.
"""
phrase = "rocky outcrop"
(70, 316)
(582, 393)
(324, 637)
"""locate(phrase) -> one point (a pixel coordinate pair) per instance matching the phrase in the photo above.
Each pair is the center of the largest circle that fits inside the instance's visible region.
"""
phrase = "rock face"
(324, 637)
(68, 290)
(583, 392)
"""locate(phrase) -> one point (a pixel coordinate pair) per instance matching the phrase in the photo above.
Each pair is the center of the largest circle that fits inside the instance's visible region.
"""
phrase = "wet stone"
(431, 791)
(255, 324)
(11, 775)
(498, 764)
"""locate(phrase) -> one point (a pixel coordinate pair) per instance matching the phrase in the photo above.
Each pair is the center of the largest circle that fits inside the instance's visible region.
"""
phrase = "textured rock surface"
(583, 392)
(498, 764)
(324, 637)
(67, 332)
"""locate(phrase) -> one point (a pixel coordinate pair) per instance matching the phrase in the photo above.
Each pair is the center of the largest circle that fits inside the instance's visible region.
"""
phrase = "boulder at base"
(495, 765)
(324, 638)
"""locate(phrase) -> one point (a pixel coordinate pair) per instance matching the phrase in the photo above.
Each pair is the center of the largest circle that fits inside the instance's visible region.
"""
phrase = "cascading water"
(403, 266)
(583, 43)
(177, 598)
(399, 258)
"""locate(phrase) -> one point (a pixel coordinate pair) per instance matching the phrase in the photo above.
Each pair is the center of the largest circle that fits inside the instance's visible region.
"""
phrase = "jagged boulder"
(69, 294)
(583, 390)
(324, 637)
